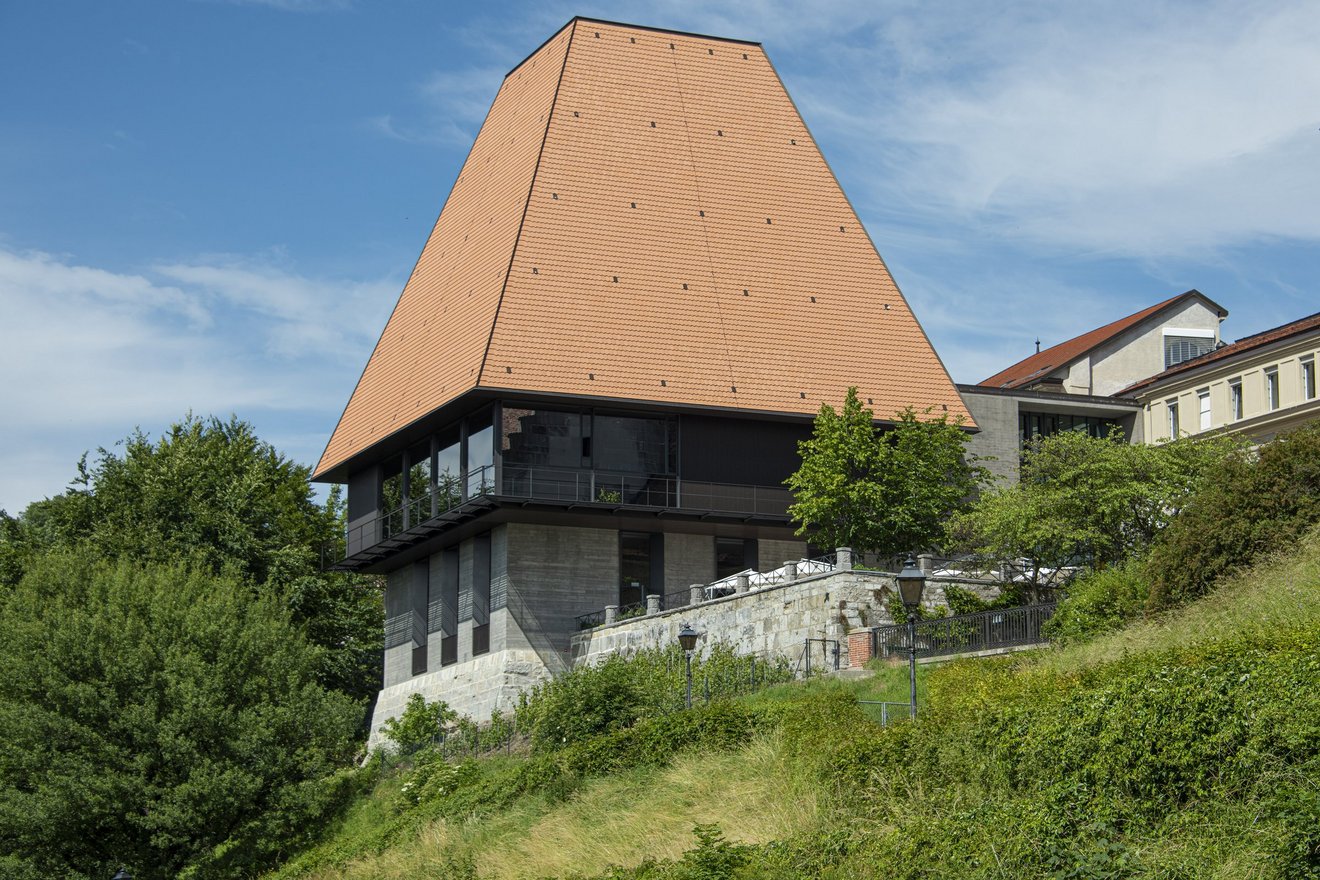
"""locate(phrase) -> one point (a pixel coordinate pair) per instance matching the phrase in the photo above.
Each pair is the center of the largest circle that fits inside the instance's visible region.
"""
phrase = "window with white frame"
(1183, 344)
(1308, 379)
(1203, 401)
(1235, 398)
(1272, 388)
(1173, 419)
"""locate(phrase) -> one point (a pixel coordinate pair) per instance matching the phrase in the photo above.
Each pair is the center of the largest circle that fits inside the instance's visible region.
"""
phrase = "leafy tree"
(1254, 502)
(211, 493)
(1082, 498)
(884, 491)
(158, 717)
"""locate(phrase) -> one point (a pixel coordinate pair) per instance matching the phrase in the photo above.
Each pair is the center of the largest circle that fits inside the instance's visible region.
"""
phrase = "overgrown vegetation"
(1185, 747)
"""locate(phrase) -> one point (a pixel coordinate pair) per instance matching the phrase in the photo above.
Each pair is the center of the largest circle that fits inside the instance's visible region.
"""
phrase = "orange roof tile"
(1045, 362)
(645, 216)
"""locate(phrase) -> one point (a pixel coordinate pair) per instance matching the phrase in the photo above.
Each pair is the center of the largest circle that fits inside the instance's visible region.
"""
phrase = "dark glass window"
(635, 445)
(448, 650)
(419, 482)
(480, 455)
(546, 438)
(481, 639)
(391, 496)
(448, 470)
(1038, 424)
(634, 566)
(419, 660)
(730, 557)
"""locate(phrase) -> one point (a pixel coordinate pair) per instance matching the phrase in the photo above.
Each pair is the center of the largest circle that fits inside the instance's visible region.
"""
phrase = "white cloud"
(89, 354)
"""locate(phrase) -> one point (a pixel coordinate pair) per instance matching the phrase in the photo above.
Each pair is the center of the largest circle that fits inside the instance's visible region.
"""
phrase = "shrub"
(1098, 602)
(1250, 504)
(420, 723)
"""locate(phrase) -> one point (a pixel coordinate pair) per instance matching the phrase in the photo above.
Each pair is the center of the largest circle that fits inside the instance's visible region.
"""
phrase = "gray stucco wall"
(772, 553)
(689, 559)
(997, 417)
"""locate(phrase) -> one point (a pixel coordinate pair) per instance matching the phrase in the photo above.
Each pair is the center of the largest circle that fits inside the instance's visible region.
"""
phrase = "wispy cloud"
(446, 110)
(94, 353)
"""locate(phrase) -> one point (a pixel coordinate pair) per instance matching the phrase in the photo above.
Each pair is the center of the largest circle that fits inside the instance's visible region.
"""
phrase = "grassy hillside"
(1183, 747)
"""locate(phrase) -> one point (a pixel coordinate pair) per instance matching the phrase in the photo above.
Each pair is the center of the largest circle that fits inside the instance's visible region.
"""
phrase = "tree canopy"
(212, 494)
(884, 491)
(1084, 499)
(158, 717)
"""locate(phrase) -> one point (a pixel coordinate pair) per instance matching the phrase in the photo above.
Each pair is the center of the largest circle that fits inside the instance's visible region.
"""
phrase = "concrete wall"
(997, 416)
(772, 553)
(689, 559)
(474, 688)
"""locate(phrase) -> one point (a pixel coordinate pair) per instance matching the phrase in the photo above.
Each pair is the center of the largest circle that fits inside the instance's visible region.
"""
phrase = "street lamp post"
(911, 581)
(687, 639)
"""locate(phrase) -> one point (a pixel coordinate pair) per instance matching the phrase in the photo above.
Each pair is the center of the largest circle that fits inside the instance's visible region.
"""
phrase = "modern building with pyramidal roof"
(642, 286)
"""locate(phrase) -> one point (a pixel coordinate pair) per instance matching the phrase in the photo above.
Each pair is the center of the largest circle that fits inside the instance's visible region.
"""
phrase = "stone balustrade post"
(744, 583)
(790, 570)
(926, 562)
(696, 594)
(611, 614)
(843, 559)
(653, 603)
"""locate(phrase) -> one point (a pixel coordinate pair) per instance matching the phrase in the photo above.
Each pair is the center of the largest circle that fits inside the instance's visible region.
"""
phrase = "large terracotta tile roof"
(645, 216)
(1042, 363)
(1224, 352)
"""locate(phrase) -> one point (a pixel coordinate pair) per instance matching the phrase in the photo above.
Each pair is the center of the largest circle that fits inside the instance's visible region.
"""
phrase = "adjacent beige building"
(1260, 386)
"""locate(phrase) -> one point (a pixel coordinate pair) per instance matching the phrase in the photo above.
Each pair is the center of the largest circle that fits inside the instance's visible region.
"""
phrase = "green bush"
(1250, 505)
(420, 724)
(620, 691)
(162, 719)
(1098, 602)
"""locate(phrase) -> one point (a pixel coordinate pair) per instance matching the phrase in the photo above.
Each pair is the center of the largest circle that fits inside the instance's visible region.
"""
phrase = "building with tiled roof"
(1107, 359)
(643, 285)
(1259, 386)
(1071, 386)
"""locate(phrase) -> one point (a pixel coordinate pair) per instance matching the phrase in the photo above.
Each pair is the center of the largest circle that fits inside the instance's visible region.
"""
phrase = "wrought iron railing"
(967, 633)
(591, 619)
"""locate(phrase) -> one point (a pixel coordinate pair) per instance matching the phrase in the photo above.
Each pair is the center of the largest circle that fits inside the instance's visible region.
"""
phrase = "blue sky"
(212, 206)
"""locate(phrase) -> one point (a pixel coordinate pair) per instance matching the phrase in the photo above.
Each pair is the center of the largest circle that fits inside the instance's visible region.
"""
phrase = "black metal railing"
(967, 633)
(439, 500)
(641, 490)
(591, 619)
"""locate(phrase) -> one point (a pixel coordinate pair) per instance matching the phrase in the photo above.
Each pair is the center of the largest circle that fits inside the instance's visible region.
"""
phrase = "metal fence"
(885, 712)
(967, 633)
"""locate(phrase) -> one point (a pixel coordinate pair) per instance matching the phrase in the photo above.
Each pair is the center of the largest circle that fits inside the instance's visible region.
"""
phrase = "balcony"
(445, 506)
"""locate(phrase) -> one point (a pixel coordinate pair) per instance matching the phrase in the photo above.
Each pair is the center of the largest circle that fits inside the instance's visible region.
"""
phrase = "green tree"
(1253, 502)
(884, 491)
(1086, 499)
(158, 717)
(420, 723)
(211, 493)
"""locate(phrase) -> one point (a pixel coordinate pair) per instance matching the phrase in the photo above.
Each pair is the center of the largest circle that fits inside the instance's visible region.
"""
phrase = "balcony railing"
(564, 485)
(641, 490)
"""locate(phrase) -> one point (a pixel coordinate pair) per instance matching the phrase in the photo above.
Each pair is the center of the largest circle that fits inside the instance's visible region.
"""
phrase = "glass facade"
(634, 566)
(1039, 424)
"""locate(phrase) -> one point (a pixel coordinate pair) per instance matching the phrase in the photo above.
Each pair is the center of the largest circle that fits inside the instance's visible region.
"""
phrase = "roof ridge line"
(522, 221)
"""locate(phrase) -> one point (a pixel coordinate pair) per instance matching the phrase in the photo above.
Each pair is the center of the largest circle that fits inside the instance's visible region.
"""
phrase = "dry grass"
(752, 794)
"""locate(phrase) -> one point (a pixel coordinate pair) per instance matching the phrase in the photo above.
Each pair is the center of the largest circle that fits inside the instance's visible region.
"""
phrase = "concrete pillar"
(696, 594)
(611, 614)
(790, 570)
(843, 559)
(744, 583)
(653, 603)
(926, 562)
